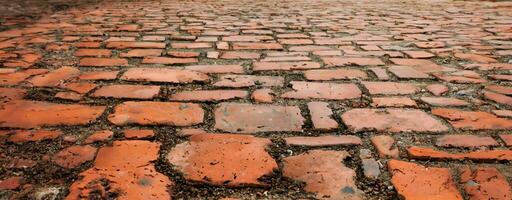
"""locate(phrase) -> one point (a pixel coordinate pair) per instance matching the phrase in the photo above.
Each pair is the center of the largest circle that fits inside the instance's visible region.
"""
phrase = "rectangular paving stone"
(391, 120)
(55, 77)
(416, 182)
(321, 116)
(237, 81)
(142, 45)
(208, 95)
(249, 118)
(391, 88)
(128, 91)
(157, 113)
(256, 46)
(34, 114)
(317, 90)
(103, 62)
(336, 74)
(284, 66)
(345, 61)
(217, 69)
(485, 183)
(167, 75)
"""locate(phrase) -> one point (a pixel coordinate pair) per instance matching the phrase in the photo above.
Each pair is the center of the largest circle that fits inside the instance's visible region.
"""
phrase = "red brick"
(322, 141)
(168, 61)
(485, 183)
(346, 61)
(397, 102)
(153, 38)
(286, 59)
(79, 87)
(10, 94)
(384, 145)
(88, 44)
(187, 132)
(419, 54)
(139, 53)
(501, 77)
(413, 181)
(208, 158)
(256, 46)
(295, 41)
(324, 174)
(103, 62)
(98, 75)
(391, 88)
(500, 89)
(321, 116)
(22, 136)
(33, 114)
(503, 113)
(74, 156)
(240, 55)
(142, 45)
(209, 95)
(507, 139)
(264, 95)
(183, 54)
(422, 65)
(167, 75)
(472, 120)
(128, 91)
(324, 74)
(315, 90)
(292, 35)
(138, 133)
(465, 141)
(157, 113)
(461, 77)
(93, 52)
(444, 101)
(248, 118)
(406, 72)
(11, 183)
(391, 120)
(480, 155)
(498, 98)
(380, 73)
(99, 136)
(286, 66)
(54, 77)
(310, 48)
(126, 168)
(475, 58)
(238, 81)
(246, 38)
(437, 89)
(72, 96)
(429, 45)
(217, 69)
(194, 45)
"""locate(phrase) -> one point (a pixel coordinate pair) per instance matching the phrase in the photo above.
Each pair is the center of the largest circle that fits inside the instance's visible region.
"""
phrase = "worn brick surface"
(255, 99)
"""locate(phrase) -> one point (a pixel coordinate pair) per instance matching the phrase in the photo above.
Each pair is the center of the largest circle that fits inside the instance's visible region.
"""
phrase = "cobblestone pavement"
(301, 99)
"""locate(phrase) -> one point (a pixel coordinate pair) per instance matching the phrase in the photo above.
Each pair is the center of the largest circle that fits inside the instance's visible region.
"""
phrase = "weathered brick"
(128, 91)
(208, 158)
(163, 75)
(157, 113)
(248, 118)
(391, 120)
(315, 90)
(33, 114)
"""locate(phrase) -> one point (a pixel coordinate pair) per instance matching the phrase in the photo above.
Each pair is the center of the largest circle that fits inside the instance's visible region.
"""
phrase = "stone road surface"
(243, 99)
